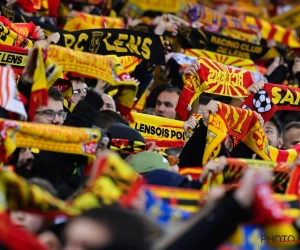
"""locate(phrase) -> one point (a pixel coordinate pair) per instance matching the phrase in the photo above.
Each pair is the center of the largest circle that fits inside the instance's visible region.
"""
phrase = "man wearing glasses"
(54, 112)
(79, 89)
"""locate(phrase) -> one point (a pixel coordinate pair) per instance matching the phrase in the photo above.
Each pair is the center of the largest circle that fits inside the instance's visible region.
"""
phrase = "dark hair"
(106, 118)
(290, 126)
(78, 79)
(43, 184)
(174, 151)
(172, 90)
(276, 123)
(55, 94)
(204, 100)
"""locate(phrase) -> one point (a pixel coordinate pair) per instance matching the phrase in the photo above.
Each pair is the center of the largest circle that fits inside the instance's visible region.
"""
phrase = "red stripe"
(286, 35)
(167, 144)
(282, 156)
(272, 32)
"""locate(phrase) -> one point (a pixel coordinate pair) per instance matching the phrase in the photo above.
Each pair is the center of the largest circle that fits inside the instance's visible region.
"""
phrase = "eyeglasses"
(79, 91)
(50, 114)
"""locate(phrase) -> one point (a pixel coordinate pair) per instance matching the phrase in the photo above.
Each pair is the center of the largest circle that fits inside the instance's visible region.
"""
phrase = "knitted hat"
(147, 161)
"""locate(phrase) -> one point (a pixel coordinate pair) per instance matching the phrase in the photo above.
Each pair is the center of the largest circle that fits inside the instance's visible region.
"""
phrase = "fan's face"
(272, 135)
(291, 138)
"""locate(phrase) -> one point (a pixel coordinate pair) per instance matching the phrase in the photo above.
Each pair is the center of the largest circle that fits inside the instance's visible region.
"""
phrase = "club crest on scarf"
(95, 42)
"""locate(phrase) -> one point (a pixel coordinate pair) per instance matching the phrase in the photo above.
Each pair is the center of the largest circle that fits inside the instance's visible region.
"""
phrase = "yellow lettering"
(145, 48)
(297, 98)
(288, 98)
(133, 46)
(276, 97)
(69, 40)
(119, 43)
(109, 47)
(82, 37)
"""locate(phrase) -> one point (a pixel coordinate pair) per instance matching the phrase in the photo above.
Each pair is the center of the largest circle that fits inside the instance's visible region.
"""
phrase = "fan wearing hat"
(157, 170)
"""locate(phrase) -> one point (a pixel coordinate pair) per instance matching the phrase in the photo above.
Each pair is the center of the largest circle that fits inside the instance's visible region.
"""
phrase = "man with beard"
(24, 163)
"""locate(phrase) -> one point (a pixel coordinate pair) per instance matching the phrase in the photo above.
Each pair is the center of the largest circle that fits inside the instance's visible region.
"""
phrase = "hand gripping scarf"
(215, 78)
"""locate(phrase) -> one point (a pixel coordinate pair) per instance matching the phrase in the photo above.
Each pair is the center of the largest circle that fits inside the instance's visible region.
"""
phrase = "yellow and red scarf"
(215, 78)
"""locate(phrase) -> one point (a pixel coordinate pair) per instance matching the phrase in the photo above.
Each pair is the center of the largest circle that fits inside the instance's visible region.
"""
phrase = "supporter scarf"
(273, 97)
(227, 60)
(99, 67)
(22, 29)
(135, 8)
(191, 200)
(216, 78)
(92, 2)
(166, 133)
(255, 139)
(85, 21)
(17, 17)
(9, 96)
(290, 19)
(19, 195)
(185, 199)
(249, 24)
(294, 184)
(119, 42)
(129, 63)
(112, 181)
(14, 56)
(275, 32)
(239, 123)
(208, 16)
(124, 146)
(46, 137)
(43, 7)
(159, 210)
(200, 39)
(45, 74)
(9, 37)
(240, 35)
(65, 87)
(241, 10)
(235, 168)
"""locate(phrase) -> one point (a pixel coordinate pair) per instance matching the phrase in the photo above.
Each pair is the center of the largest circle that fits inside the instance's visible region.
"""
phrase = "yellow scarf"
(46, 137)
(85, 21)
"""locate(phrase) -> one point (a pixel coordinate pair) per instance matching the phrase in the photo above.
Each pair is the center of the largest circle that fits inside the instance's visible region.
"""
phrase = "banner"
(200, 39)
(167, 133)
(290, 19)
(118, 42)
(215, 78)
(85, 21)
(224, 59)
(209, 16)
(273, 97)
(63, 139)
